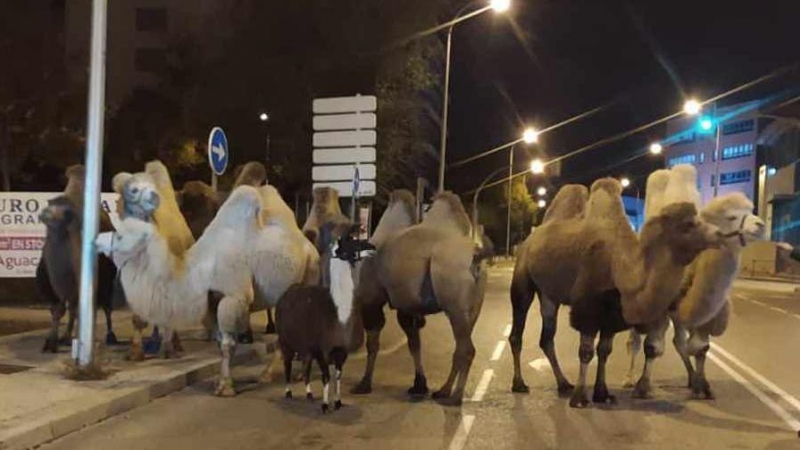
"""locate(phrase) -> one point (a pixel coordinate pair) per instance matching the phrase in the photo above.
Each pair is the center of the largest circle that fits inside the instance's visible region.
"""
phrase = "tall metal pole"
(445, 106)
(718, 159)
(510, 183)
(83, 347)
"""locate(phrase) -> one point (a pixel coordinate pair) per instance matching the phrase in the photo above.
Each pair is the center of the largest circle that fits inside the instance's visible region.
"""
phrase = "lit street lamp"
(656, 148)
(264, 117)
(537, 166)
(498, 6)
(692, 107)
(530, 136)
(541, 191)
(542, 203)
(625, 182)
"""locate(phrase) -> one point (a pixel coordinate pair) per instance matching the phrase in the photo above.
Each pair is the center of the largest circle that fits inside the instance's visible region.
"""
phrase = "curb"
(61, 420)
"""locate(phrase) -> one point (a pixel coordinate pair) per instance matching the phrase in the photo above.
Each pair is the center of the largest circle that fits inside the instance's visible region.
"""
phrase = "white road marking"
(758, 302)
(483, 385)
(796, 316)
(498, 351)
(778, 309)
(793, 424)
(507, 331)
(460, 438)
(760, 378)
(540, 364)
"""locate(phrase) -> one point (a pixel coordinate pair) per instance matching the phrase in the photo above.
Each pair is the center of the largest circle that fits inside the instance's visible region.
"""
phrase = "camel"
(702, 307)
(425, 269)
(594, 262)
(324, 209)
(57, 273)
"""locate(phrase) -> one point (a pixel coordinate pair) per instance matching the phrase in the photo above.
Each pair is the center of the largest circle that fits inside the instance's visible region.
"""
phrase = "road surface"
(753, 373)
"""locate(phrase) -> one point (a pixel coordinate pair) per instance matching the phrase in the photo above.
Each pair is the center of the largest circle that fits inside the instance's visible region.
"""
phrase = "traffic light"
(706, 124)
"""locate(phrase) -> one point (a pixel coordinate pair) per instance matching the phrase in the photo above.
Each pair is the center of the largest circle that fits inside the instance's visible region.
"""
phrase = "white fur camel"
(594, 262)
(702, 307)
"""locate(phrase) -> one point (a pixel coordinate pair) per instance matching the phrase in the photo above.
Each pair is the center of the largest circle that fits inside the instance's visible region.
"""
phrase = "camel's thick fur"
(325, 209)
(702, 308)
(424, 269)
(595, 262)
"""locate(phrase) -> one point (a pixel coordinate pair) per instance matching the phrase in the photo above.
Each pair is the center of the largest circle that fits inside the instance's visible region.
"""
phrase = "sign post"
(218, 154)
(83, 347)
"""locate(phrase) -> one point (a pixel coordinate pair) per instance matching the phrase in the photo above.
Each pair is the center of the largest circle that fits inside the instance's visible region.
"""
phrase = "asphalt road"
(753, 372)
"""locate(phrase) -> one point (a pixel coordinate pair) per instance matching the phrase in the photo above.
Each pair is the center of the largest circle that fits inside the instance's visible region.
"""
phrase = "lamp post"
(498, 6)
(529, 136)
(693, 107)
(264, 117)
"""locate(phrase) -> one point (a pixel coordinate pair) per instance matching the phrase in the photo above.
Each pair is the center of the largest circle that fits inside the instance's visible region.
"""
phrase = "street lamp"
(542, 203)
(537, 166)
(692, 107)
(498, 6)
(656, 148)
(625, 182)
(530, 136)
(542, 191)
(263, 117)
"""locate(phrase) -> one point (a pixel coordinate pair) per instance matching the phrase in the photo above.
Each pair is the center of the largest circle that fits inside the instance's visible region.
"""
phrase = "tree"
(493, 210)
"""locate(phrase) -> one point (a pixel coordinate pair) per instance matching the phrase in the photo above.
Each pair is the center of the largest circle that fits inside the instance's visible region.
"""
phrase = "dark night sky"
(553, 59)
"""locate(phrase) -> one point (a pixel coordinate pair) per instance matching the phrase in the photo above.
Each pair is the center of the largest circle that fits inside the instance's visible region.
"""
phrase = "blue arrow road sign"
(217, 150)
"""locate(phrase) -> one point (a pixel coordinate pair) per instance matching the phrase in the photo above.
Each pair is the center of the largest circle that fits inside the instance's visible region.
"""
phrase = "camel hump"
(569, 203)
(252, 174)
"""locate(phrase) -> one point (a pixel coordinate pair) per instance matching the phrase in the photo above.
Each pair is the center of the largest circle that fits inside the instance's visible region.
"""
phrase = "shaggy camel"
(594, 262)
(702, 307)
(58, 269)
(325, 208)
(426, 269)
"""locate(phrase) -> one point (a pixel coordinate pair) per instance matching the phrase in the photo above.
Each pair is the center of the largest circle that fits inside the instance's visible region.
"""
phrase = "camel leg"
(374, 320)
(57, 311)
(549, 313)
(411, 326)
(225, 385)
(137, 349)
(72, 310)
(111, 338)
(585, 354)
(698, 346)
(177, 345)
(167, 350)
(462, 360)
(326, 380)
(270, 322)
(653, 349)
(522, 292)
(679, 341)
(634, 345)
(604, 348)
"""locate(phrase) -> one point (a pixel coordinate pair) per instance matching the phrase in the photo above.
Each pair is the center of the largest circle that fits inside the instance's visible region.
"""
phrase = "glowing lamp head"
(541, 191)
(771, 171)
(625, 182)
(537, 166)
(530, 136)
(706, 124)
(500, 5)
(692, 107)
(656, 148)
(542, 203)
(264, 117)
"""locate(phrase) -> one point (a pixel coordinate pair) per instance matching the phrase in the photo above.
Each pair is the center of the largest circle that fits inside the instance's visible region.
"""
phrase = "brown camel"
(426, 269)
(594, 262)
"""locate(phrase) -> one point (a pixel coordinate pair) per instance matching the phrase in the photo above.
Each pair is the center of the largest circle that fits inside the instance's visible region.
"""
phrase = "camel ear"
(119, 181)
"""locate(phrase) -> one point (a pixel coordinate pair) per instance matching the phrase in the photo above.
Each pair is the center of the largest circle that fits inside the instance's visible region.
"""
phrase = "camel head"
(679, 229)
(733, 214)
(448, 211)
(325, 206)
(59, 214)
(251, 174)
(569, 202)
(399, 215)
(138, 194)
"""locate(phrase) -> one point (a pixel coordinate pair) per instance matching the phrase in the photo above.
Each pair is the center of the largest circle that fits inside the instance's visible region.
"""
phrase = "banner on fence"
(22, 234)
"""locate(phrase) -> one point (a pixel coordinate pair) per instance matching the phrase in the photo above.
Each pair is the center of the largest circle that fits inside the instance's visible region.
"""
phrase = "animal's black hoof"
(579, 399)
(288, 395)
(362, 388)
(338, 405)
(440, 394)
(50, 346)
(601, 396)
(111, 338)
(270, 328)
(643, 390)
(565, 389)
(65, 340)
(701, 390)
(309, 396)
(246, 337)
(520, 387)
(420, 388)
(325, 408)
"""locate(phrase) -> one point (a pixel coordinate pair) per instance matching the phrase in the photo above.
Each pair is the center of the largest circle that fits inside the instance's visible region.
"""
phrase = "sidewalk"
(38, 404)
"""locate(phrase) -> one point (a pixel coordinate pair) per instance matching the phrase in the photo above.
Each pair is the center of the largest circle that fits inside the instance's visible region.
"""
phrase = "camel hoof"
(288, 395)
(601, 396)
(520, 387)
(111, 338)
(441, 394)
(643, 390)
(246, 338)
(50, 346)
(565, 389)
(338, 405)
(270, 329)
(579, 399)
(362, 388)
(449, 401)
(325, 408)
(225, 389)
(420, 388)
(309, 396)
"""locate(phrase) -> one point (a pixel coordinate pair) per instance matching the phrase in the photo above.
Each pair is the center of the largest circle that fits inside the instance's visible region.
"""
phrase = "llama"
(317, 322)
(58, 269)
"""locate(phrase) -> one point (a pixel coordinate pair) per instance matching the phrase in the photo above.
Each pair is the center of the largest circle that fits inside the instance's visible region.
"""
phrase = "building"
(139, 34)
